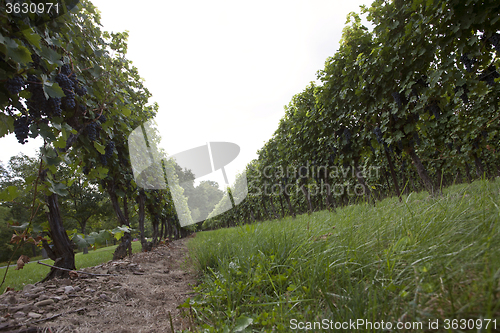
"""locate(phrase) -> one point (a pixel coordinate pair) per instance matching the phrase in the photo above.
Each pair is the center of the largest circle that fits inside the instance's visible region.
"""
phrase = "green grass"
(425, 258)
(33, 272)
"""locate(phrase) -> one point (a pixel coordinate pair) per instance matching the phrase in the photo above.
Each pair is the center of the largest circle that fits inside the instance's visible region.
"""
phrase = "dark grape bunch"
(378, 134)
(489, 75)
(347, 135)
(400, 99)
(104, 160)
(423, 81)
(467, 62)
(109, 149)
(416, 138)
(108, 153)
(102, 119)
(495, 40)
(464, 96)
(403, 165)
(399, 148)
(21, 129)
(80, 90)
(37, 104)
(36, 60)
(91, 131)
(54, 106)
(15, 85)
(434, 110)
(67, 86)
(66, 70)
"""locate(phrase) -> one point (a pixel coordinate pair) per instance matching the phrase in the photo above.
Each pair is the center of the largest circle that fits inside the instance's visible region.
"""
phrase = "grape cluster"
(108, 153)
(423, 81)
(104, 160)
(398, 150)
(347, 135)
(416, 138)
(37, 103)
(414, 92)
(36, 60)
(91, 131)
(434, 110)
(495, 40)
(67, 86)
(102, 119)
(109, 149)
(21, 129)
(79, 90)
(54, 106)
(15, 85)
(378, 134)
(403, 165)
(86, 170)
(489, 75)
(400, 99)
(467, 62)
(66, 70)
(464, 96)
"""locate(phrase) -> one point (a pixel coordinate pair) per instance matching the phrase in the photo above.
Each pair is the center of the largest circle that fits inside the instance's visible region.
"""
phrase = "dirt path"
(147, 288)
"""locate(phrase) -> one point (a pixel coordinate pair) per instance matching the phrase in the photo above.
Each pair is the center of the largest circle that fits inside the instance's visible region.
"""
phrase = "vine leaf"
(242, 323)
(9, 194)
(52, 89)
(99, 147)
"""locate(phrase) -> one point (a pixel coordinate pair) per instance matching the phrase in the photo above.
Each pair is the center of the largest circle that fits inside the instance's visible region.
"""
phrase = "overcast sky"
(221, 70)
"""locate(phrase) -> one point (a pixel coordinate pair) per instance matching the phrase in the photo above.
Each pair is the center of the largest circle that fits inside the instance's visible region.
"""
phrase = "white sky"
(221, 70)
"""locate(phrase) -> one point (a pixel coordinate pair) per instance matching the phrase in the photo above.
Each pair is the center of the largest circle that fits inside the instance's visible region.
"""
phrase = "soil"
(144, 291)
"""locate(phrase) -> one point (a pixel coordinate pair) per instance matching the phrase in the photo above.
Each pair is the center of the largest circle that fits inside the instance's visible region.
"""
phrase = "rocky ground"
(141, 295)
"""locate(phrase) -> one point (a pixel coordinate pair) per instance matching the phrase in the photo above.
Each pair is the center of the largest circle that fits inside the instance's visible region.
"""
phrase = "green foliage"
(409, 80)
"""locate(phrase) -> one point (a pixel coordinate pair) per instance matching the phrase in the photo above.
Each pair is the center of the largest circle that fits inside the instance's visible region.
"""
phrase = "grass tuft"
(423, 259)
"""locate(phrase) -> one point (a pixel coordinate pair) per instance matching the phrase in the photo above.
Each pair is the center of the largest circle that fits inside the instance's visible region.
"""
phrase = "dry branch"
(69, 270)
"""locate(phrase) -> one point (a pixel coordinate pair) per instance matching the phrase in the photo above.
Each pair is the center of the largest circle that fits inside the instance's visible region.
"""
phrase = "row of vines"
(64, 79)
(411, 105)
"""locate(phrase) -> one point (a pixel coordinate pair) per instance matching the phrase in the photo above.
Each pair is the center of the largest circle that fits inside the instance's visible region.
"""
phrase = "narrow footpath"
(141, 296)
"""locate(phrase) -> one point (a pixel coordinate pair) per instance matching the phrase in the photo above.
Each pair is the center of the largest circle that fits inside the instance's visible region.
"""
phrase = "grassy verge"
(33, 272)
(411, 262)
